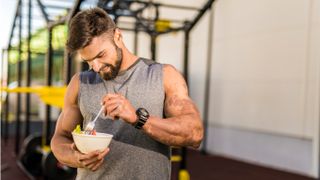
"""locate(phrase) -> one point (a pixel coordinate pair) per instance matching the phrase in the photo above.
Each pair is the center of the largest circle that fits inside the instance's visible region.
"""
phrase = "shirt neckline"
(130, 67)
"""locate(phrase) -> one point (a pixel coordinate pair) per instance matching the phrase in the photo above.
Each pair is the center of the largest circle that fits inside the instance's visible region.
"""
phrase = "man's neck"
(127, 60)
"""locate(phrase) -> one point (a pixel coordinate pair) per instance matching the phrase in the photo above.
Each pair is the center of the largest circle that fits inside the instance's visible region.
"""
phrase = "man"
(136, 94)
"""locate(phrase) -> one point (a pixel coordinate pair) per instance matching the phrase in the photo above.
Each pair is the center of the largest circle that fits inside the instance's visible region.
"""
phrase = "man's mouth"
(105, 69)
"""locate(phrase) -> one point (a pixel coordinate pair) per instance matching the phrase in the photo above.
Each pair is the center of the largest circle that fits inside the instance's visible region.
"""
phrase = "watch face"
(143, 112)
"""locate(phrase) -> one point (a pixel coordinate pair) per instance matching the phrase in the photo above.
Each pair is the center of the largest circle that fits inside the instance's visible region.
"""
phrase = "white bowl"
(88, 143)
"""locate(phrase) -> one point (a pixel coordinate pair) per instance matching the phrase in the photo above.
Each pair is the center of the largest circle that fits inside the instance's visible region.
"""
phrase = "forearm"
(183, 130)
(63, 151)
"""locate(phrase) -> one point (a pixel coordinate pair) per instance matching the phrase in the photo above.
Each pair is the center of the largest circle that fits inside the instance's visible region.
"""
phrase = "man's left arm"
(183, 126)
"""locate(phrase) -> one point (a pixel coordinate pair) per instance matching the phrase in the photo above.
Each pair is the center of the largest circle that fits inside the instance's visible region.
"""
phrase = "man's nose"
(96, 66)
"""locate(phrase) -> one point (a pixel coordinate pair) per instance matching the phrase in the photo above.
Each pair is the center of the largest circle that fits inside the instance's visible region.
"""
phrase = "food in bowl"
(87, 143)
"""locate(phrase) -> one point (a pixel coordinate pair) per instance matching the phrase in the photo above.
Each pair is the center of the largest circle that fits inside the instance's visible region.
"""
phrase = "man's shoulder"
(170, 69)
(172, 77)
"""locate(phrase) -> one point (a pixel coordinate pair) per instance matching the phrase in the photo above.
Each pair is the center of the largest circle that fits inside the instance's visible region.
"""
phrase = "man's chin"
(106, 76)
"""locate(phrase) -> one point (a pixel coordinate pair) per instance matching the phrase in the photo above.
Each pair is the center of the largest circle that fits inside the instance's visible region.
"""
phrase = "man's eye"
(100, 56)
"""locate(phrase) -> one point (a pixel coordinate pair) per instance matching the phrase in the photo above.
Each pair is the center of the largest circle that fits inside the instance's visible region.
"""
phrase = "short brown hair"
(86, 25)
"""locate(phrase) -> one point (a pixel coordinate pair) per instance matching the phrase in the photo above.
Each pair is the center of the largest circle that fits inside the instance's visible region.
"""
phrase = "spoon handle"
(100, 111)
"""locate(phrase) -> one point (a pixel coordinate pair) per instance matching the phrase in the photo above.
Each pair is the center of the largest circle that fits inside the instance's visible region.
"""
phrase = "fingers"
(89, 156)
(117, 106)
(108, 100)
(78, 155)
(114, 104)
(89, 162)
(109, 97)
(96, 166)
(115, 113)
(103, 153)
(94, 162)
(87, 159)
(79, 162)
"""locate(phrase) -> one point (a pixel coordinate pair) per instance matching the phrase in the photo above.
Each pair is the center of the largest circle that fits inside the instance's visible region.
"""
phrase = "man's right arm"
(62, 143)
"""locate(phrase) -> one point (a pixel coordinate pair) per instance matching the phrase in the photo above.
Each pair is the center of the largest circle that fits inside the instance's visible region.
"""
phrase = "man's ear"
(117, 37)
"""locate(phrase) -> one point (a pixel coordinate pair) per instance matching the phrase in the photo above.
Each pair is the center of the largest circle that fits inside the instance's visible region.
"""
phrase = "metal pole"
(14, 24)
(43, 11)
(48, 74)
(183, 163)
(75, 9)
(19, 76)
(6, 116)
(186, 55)
(67, 67)
(207, 84)
(178, 7)
(67, 56)
(2, 85)
(135, 41)
(28, 83)
(6, 124)
(153, 46)
(200, 14)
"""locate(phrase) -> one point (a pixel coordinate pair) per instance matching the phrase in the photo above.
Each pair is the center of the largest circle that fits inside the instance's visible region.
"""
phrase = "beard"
(114, 69)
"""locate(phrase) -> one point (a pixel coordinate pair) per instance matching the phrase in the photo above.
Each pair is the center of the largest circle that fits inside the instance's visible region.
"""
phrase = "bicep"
(67, 121)
(177, 101)
(70, 115)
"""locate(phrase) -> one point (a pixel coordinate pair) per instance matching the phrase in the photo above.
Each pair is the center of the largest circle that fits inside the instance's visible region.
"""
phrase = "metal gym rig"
(35, 157)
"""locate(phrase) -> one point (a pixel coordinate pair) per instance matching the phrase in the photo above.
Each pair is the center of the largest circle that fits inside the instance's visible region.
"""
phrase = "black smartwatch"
(143, 116)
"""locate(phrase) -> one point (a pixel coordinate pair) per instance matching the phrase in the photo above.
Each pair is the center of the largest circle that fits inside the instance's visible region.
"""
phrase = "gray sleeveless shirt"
(133, 154)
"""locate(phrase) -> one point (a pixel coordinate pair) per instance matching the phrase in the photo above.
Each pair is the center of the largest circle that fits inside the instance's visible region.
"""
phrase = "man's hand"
(117, 106)
(91, 161)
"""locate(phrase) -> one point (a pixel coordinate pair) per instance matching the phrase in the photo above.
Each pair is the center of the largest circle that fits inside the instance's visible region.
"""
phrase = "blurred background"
(252, 67)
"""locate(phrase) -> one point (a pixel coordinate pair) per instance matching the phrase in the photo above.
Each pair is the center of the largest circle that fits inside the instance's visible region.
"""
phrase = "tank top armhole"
(80, 87)
(163, 89)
